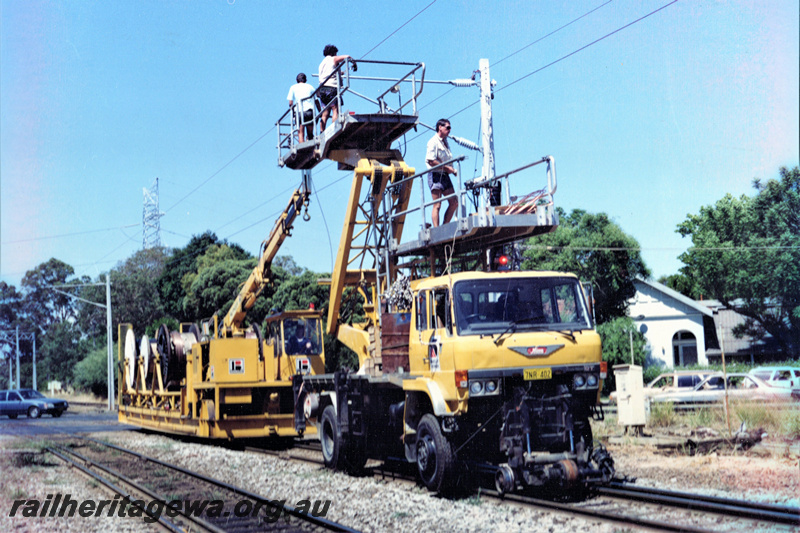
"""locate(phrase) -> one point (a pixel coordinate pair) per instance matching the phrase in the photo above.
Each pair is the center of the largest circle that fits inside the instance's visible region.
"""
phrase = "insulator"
(465, 143)
(462, 83)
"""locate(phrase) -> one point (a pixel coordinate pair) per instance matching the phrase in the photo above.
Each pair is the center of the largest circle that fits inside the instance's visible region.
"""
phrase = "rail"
(290, 123)
(484, 204)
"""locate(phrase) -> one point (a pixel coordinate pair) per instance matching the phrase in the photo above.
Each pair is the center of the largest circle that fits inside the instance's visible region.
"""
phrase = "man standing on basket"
(438, 151)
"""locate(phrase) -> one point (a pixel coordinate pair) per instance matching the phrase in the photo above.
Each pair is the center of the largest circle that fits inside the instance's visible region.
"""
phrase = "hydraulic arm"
(261, 275)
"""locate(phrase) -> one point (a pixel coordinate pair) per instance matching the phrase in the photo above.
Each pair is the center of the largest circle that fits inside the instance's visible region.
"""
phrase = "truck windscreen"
(485, 307)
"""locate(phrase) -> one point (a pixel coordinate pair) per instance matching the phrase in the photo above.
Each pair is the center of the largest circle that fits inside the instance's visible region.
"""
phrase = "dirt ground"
(768, 472)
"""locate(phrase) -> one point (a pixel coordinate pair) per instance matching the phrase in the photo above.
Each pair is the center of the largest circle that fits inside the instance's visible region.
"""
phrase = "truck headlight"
(476, 387)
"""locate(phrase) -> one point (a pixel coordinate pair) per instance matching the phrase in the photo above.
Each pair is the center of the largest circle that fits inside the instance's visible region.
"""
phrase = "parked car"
(31, 403)
(778, 376)
(677, 380)
(712, 389)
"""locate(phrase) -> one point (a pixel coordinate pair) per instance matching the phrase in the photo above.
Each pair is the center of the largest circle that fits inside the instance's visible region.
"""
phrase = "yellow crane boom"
(261, 275)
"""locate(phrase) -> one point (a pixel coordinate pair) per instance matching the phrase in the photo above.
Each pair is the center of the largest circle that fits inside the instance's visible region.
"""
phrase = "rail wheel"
(435, 457)
(331, 438)
(34, 412)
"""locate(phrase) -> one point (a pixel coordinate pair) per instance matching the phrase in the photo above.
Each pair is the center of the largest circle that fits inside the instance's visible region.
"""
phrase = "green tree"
(181, 262)
(214, 286)
(134, 294)
(597, 250)
(681, 283)
(617, 335)
(10, 305)
(42, 305)
(91, 372)
(60, 350)
(746, 254)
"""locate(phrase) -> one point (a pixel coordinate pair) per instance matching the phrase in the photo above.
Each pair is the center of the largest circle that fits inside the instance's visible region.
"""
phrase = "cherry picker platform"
(482, 219)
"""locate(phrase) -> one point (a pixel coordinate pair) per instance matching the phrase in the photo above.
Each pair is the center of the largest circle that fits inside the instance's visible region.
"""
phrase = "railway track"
(779, 514)
(188, 500)
(632, 505)
(621, 502)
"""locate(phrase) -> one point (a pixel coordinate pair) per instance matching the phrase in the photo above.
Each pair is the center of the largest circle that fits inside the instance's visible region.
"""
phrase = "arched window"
(684, 348)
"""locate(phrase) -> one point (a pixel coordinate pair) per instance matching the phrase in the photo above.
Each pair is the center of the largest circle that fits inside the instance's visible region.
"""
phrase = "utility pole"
(5, 336)
(110, 344)
(17, 358)
(107, 307)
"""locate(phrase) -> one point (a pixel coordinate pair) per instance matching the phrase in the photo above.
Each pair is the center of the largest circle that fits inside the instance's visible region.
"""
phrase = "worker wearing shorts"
(328, 86)
(438, 151)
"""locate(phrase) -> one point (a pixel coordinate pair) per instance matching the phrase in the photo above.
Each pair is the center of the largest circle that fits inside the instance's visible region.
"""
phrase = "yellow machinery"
(227, 381)
(466, 364)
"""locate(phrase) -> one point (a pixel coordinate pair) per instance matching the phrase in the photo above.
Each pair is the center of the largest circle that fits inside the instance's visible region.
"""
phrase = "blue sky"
(98, 98)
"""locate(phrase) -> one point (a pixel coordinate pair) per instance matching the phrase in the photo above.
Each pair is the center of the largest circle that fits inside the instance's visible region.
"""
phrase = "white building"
(679, 330)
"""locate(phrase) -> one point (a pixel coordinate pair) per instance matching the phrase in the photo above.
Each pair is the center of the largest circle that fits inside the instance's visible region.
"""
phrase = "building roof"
(676, 295)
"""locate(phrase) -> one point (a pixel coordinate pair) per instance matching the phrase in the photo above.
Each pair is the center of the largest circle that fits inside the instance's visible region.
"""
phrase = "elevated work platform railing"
(370, 128)
(488, 214)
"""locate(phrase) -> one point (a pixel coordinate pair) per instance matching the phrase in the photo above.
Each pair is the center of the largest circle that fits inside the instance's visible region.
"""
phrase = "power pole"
(107, 307)
(110, 345)
(6, 337)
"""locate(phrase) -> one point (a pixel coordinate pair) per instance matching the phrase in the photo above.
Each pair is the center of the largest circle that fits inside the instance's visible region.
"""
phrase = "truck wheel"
(330, 437)
(435, 461)
(34, 412)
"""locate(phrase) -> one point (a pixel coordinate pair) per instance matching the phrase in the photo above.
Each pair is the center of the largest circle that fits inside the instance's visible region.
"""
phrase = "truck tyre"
(330, 437)
(435, 457)
(34, 412)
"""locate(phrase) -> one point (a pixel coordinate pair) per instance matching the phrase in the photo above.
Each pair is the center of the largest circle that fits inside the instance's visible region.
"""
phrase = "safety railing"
(485, 200)
(458, 193)
(517, 204)
(292, 120)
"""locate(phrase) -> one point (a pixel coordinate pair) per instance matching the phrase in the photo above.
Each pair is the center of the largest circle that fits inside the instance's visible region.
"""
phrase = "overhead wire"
(562, 58)
(398, 29)
(316, 192)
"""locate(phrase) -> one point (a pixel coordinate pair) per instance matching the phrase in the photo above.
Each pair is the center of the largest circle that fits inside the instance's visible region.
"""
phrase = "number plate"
(537, 373)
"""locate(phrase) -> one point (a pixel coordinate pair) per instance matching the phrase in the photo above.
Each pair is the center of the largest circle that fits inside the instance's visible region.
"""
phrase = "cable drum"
(147, 352)
(131, 358)
(173, 347)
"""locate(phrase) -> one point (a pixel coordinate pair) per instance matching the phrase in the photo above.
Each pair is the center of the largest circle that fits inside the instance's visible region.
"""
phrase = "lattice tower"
(151, 218)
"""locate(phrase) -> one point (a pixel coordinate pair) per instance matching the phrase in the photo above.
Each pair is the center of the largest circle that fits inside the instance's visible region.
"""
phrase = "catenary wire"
(398, 29)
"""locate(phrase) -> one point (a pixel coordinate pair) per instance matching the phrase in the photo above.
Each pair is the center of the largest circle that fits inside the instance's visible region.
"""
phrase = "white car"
(740, 387)
(778, 376)
(674, 381)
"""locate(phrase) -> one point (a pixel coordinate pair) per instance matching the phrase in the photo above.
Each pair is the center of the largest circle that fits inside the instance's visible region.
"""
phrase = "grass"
(779, 421)
(662, 414)
(759, 415)
(30, 460)
(791, 425)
